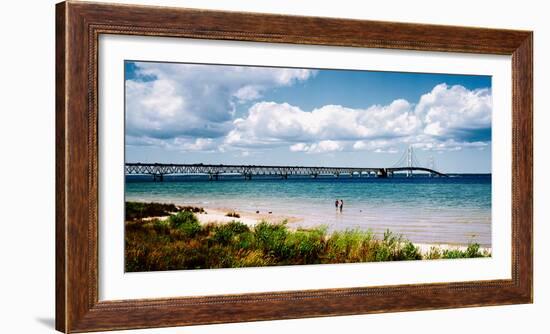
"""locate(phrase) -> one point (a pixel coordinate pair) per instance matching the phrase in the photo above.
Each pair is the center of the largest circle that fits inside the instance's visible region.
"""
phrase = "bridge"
(158, 170)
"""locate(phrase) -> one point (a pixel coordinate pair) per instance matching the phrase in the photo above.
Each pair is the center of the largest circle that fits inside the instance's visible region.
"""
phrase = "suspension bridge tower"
(410, 160)
(431, 164)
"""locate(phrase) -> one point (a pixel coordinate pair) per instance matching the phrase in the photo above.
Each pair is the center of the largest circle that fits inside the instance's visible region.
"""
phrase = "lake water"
(454, 210)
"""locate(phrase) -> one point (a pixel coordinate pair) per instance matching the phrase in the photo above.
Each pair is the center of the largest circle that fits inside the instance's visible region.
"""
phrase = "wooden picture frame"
(78, 27)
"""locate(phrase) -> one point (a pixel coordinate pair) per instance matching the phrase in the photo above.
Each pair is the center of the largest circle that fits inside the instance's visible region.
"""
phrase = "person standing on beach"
(337, 204)
(341, 205)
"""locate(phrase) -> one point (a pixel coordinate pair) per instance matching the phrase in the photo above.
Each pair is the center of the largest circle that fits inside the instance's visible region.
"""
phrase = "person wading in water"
(341, 205)
(337, 204)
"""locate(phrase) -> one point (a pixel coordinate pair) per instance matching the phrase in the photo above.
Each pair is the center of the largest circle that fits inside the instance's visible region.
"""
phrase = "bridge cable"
(401, 161)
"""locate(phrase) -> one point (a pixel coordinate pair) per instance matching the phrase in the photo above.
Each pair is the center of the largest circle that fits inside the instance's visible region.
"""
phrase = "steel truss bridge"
(248, 171)
(158, 170)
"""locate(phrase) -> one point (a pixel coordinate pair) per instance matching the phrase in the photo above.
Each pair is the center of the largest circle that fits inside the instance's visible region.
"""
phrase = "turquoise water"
(426, 210)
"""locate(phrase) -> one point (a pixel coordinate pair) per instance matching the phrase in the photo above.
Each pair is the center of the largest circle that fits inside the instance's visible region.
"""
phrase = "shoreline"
(168, 237)
(219, 215)
(251, 219)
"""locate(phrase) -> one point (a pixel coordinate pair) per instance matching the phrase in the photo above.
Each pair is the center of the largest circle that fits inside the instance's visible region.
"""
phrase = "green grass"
(472, 251)
(139, 210)
(185, 222)
(181, 242)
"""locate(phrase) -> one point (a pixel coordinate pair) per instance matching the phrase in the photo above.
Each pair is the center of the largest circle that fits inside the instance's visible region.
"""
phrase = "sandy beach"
(219, 215)
(248, 218)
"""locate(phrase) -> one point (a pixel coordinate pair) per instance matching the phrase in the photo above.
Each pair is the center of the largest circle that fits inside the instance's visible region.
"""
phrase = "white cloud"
(175, 144)
(199, 144)
(450, 145)
(446, 109)
(377, 145)
(389, 150)
(447, 118)
(151, 104)
(323, 146)
(248, 93)
(168, 101)
(144, 141)
(192, 108)
(299, 147)
(269, 122)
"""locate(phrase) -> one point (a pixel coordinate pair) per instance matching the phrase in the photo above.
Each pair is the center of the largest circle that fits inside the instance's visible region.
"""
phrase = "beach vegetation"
(229, 233)
(233, 214)
(194, 209)
(434, 253)
(472, 251)
(181, 242)
(138, 210)
(185, 222)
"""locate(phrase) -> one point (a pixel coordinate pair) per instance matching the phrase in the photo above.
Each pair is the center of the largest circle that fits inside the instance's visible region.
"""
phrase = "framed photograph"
(223, 166)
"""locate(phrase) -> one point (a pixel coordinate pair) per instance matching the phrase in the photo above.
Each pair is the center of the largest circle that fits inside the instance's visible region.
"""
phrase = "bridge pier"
(248, 176)
(158, 177)
(284, 176)
(214, 177)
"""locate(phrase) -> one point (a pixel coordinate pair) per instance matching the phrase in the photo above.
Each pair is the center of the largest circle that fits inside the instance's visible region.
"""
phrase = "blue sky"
(193, 113)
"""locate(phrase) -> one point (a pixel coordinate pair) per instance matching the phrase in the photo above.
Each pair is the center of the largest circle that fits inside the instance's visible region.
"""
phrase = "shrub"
(245, 241)
(138, 210)
(410, 252)
(233, 214)
(225, 233)
(433, 254)
(388, 248)
(304, 246)
(161, 226)
(391, 240)
(394, 248)
(349, 246)
(254, 258)
(271, 238)
(193, 209)
(452, 254)
(382, 253)
(471, 252)
(186, 223)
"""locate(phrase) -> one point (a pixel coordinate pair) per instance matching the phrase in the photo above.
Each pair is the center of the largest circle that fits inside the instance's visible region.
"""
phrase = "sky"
(227, 114)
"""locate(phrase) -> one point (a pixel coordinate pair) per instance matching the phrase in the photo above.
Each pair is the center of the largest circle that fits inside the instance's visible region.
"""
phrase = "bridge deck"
(251, 170)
